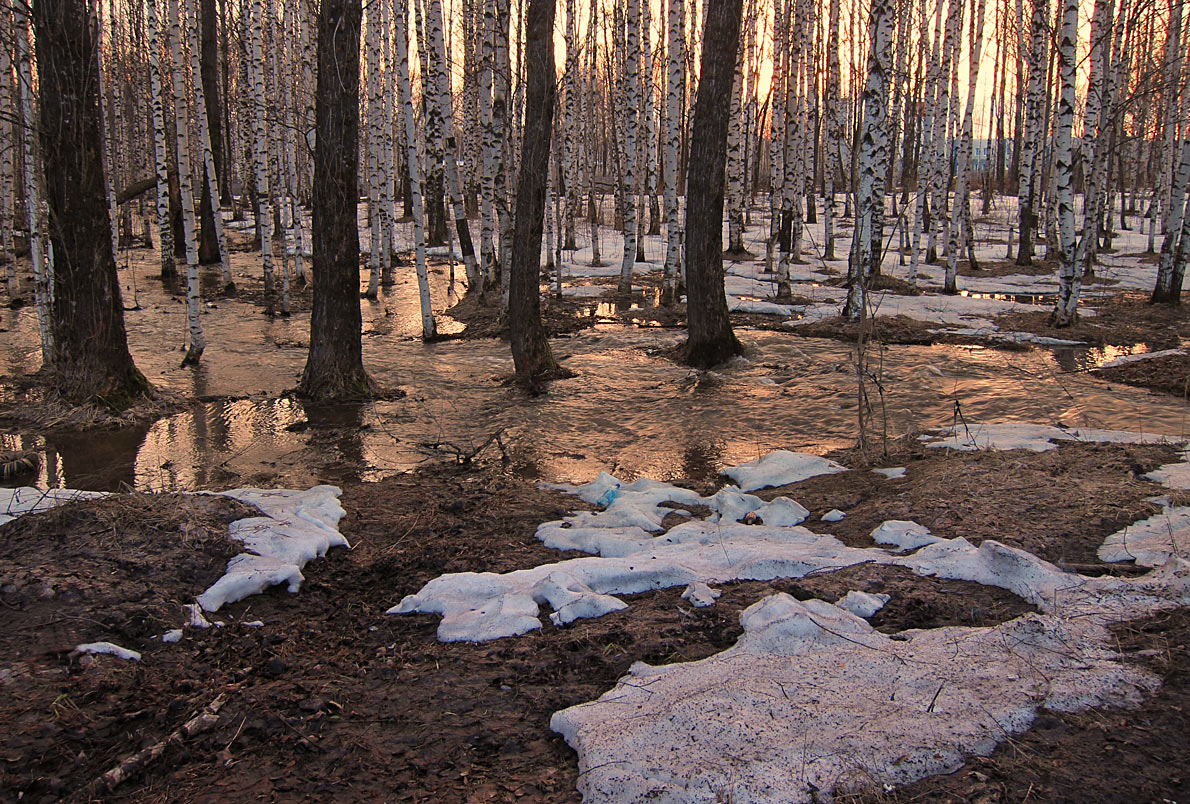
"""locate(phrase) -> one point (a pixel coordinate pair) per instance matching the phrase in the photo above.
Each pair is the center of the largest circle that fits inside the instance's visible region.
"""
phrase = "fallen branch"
(203, 721)
(465, 456)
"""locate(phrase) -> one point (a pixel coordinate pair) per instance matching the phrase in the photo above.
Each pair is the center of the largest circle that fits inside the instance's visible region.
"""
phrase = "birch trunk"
(7, 163)
(961, 232)
(42, 276)
(160, 150)
(873, 160)
(208, 154)
(197, 343)
(375, 135)
(1066, 311)
(1027, 215)
(834, 134)
(429, 330)
(260, 159)
(675, 79)
(631, 104)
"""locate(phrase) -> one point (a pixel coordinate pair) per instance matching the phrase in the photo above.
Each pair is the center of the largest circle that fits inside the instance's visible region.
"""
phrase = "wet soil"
(1166, 375)
(332, 700)
(1124, 319)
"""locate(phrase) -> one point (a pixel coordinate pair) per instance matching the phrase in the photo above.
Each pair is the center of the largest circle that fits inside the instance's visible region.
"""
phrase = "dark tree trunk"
(711, 340)
(89, 360)
(335, 368)
(208, 241)
(530, 347)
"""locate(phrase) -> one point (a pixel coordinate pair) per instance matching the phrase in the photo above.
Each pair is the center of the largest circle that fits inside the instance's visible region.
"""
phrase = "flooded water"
(628, 410)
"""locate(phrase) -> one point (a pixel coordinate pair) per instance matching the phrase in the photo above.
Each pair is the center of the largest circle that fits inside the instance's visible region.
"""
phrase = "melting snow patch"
(780, 468)
(862, 604)
(297, 527)
(752, 725)
(1035, 437)
(28, 500)
(903, 534)
(110, 648)
(701, 595)
(174, 635)
(892, 473)
(1124, 359)
(1151, 541)
(833, 515)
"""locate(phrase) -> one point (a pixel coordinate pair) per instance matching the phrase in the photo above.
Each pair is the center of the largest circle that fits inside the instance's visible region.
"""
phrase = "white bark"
(7, 165)
(165, 233)
(963, 161)
(375, 119)
(873, 159)
(204, 137)
(186, 189)
(1065, 312)
(834, 135)
(429, 330)
(674, 90)
(631, 103)
(260, 159)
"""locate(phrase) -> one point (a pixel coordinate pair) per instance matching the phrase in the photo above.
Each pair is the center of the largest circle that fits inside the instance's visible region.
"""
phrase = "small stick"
(203, 721)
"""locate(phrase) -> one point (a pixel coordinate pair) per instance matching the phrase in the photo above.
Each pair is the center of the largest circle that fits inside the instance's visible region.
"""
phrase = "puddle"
(1085, 358)
(628, 410)
(1041, 299)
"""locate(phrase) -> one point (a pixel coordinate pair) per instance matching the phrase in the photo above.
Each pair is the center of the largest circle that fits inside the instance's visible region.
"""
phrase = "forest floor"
(332, 700)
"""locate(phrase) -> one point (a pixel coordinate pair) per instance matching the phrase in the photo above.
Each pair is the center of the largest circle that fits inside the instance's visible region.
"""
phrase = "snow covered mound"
(28, 500)
(1035, 437)
(297, 527)
(811, 700)
(780, 468)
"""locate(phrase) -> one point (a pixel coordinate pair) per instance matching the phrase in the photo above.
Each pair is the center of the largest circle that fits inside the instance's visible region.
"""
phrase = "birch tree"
(963, 231)
(675, 89)
(7, 163)
(260, 159)
(1066, 311)
(429, 330)
(197, 343)
(28, 126)
(1027, 215)
(873, 161)
(631, 106)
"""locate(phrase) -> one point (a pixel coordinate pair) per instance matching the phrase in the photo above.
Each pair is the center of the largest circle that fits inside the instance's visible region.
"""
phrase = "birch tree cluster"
(903, 122)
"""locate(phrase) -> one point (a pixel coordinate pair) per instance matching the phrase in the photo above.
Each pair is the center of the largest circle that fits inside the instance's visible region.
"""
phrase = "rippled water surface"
(629, 410)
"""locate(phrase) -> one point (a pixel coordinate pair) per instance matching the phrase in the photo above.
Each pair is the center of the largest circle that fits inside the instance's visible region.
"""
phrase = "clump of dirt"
(897, 329)
(1121, 320)
(121, 565)
(1167, 375)
(1115, 756)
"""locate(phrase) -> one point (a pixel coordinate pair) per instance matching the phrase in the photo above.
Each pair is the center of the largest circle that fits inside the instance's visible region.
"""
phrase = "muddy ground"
(332, 700)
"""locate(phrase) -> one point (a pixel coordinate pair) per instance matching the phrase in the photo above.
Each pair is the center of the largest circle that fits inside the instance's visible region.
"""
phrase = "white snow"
(892, 473)
(833, 515)
(811, 696)
(1125, 359)
(780, 468)
(1035, 437)
(28, 500)
(1151, 541)
(109, 648)
(903, 534)
(863, 604)
(173, 635)
(701, 595)
(297, 527)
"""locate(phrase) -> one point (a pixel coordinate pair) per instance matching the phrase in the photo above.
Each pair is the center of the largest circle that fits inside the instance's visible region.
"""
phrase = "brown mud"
(332, 700)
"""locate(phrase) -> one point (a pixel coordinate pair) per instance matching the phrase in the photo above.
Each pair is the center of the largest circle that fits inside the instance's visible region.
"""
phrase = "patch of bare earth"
(1121, 320)
(1167, 375)
(332, 700)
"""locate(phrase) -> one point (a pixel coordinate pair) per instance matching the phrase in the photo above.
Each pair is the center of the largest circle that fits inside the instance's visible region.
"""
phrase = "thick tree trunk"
(530, 348)
(335, 368)
(90, 362)
(711, 340)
